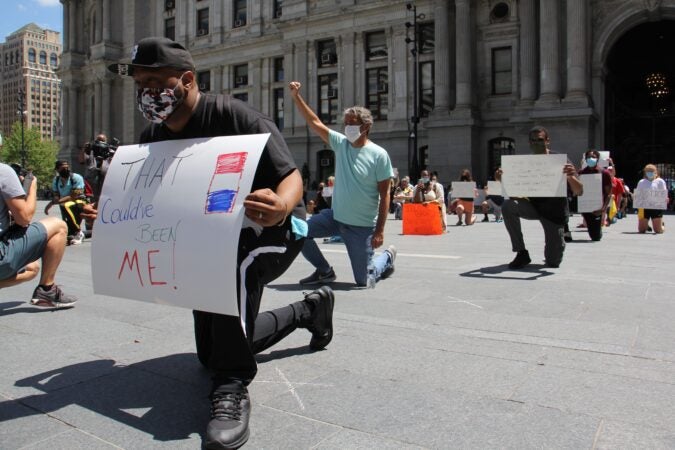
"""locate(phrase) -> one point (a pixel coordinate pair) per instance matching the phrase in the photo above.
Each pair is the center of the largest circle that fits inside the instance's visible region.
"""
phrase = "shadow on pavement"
(8, 308)
(149, 396)
(285, 353)
(529, 273)
(336, 286)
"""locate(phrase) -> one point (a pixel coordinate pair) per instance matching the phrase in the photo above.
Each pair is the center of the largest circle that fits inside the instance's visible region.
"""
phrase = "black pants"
(222, 344)
(593, 225)
(71, 212)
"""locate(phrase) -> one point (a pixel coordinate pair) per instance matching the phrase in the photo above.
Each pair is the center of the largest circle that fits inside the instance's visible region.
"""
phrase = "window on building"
(278, 69)
(53, 60)
(501, 70)
(327, 53)
(243, 96)
(427, 43)
(43, 57)
(376, 46)
(426, 94)
(276, 8)
(169, 5)
(241, 75)
(31, 56)
(202, 22)
(328, 98)
(239, 15)
(278, 113)
(377, 87)
(204, 80)
(170, 28)
(497, 148)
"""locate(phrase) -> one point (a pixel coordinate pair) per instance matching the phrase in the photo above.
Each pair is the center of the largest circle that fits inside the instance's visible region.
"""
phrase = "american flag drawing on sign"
(224, 185)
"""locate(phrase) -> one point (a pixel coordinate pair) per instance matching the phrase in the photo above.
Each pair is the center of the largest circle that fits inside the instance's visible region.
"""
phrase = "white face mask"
(352, 132)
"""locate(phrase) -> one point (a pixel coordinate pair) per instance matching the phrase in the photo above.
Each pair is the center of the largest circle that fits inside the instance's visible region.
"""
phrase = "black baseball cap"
(155, 53)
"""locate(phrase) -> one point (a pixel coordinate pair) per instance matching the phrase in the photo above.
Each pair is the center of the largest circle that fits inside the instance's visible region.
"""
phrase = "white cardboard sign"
(650, 198)
(463, 189)
(495, 188)
(534, 175)
(169, 219)
(591, 199)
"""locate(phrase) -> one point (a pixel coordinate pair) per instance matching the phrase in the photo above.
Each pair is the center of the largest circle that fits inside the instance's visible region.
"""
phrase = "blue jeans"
(356, 239)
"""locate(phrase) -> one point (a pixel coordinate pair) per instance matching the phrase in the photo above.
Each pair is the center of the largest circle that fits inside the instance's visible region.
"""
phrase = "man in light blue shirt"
(363, 174)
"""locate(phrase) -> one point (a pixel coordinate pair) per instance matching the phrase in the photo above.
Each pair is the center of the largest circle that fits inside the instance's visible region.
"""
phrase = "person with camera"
(23, 242)
(68, 193)
(96, 156)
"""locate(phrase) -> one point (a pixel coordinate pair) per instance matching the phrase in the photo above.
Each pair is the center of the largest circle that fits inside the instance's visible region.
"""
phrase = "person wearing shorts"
(23, 242)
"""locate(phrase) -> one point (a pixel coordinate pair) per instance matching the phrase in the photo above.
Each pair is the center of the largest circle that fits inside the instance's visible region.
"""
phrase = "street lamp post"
(21, 113)
(413, 157)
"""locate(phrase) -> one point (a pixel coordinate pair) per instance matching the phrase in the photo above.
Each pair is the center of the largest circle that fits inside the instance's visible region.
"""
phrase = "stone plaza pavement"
(453, 351)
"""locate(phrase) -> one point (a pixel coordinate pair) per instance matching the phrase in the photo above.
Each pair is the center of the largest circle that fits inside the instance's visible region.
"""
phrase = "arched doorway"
(640, 102)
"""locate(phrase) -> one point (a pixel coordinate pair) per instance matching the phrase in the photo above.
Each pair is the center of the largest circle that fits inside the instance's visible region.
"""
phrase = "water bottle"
(372, 281)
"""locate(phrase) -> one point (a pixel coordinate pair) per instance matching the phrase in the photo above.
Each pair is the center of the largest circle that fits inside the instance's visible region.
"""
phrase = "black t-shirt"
(222, 115)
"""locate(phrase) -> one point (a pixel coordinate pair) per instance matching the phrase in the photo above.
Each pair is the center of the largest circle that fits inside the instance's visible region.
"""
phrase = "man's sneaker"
(53, 298)
(319, 278)
(320, 323)
(567, 236)
(521, 260)
(78, 238)
(392, 256)
(230, 412)
(485, 219)
(459, 222)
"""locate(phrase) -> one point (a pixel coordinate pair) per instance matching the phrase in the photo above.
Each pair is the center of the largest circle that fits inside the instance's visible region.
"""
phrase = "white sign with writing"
(169, 219)
(604, 159)
(650, 198)
(591, 199)
(534, 175)
(494, 188)
(463, 189)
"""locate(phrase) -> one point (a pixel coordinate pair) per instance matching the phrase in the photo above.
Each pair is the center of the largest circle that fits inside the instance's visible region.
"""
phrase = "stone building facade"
(29, 58)
(487, 70)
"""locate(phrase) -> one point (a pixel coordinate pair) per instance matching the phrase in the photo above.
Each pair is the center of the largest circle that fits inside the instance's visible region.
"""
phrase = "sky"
(17, 13)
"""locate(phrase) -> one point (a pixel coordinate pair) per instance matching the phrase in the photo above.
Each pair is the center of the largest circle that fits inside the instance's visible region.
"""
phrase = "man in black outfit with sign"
(168, 96)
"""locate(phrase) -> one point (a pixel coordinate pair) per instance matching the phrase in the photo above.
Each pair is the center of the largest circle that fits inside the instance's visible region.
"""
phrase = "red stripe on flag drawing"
(231, 163)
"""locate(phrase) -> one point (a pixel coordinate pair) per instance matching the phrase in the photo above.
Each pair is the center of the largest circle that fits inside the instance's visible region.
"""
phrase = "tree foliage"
(40, 154)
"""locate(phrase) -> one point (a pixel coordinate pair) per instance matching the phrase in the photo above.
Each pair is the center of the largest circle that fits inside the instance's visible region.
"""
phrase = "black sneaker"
(521, 260)
(459, 222)
(390, 270)
(321, 322)
(319, 278)
(567, 236)
(53, 298)
(230, 412)
(485, 219)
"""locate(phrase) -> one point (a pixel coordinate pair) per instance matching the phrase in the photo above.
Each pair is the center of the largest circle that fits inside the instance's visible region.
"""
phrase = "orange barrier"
(422, 219)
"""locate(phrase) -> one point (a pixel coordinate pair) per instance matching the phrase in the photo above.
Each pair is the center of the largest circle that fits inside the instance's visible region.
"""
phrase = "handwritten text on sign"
(169, 218)
(650, 198)
(534, 175)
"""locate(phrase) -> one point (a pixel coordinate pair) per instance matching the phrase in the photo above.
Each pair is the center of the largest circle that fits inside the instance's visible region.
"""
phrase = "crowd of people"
(353, 206)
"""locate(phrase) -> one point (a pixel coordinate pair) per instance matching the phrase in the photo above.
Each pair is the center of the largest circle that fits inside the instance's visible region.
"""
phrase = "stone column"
(549, 51)
(106, 106)
(98, 107)
(300, 73)
(73, 119)
(528, 51)
(350, 76)
(442, 57)
(577, 53)
(105, 21)
(66, 25)
(463, 63)
(72, 27)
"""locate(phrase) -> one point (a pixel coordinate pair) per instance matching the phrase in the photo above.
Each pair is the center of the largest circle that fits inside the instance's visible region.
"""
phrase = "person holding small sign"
(272, 235)
(465, 204)
(593, 219)
(552, 212)
(646, 186)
